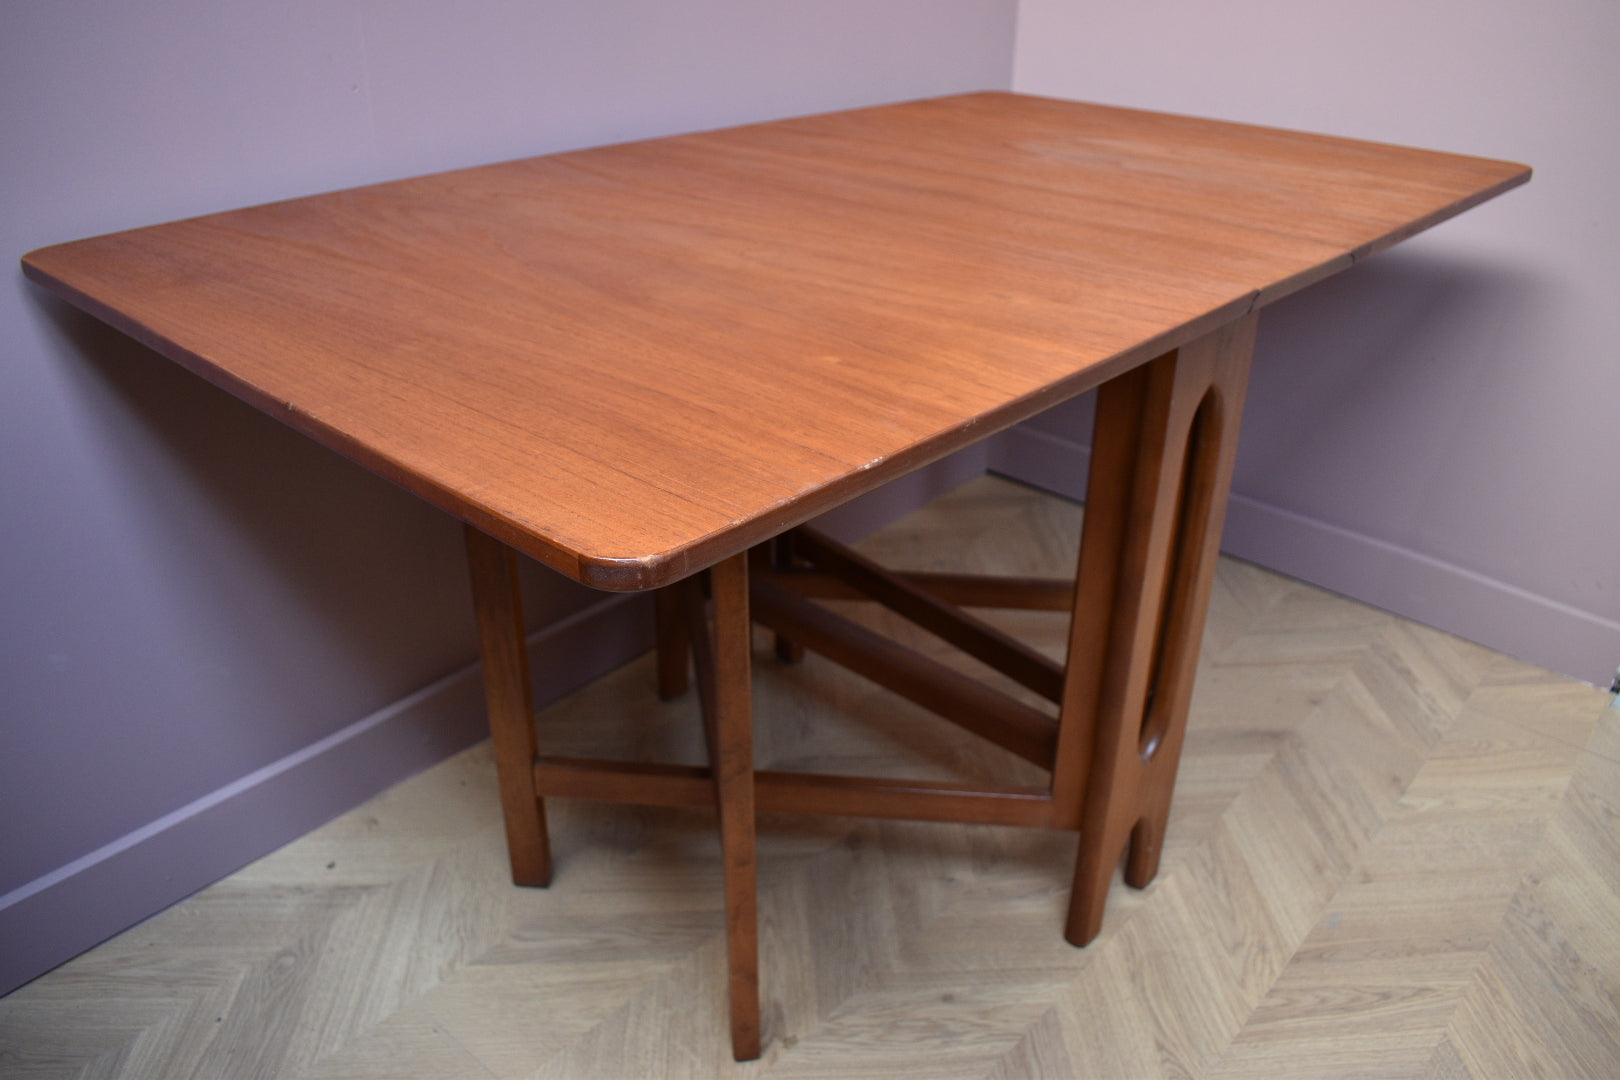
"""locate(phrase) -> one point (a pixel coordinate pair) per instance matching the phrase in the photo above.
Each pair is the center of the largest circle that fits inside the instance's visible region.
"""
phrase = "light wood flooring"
(1393, 853)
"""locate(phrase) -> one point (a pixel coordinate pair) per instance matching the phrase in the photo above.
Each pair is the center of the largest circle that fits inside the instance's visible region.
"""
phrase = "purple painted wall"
(213, 634)
(1434, 431)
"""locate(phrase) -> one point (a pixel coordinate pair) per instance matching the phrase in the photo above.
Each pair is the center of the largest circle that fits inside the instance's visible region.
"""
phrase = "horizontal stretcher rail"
(649, 784)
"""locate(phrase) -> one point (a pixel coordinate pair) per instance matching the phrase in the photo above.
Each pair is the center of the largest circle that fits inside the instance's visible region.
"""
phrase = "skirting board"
(81, 904)
(1408, 583)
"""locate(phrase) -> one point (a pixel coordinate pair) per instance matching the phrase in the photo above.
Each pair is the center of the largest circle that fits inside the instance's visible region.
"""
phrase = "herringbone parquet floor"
(1394, 853)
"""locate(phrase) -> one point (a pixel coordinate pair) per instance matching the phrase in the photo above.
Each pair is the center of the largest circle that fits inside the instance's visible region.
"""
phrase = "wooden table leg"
(1162, 456)
(733, 767)
(509, 700)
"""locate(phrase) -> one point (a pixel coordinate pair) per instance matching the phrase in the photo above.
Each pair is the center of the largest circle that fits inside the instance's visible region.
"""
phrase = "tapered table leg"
(509, 701)
(733, 768)
(1162, 456)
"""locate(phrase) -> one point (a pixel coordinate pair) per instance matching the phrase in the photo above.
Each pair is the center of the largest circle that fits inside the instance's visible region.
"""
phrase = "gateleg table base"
(1161, 466)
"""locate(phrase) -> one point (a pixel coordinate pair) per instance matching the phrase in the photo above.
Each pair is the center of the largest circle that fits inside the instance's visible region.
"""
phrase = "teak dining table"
(648, 366)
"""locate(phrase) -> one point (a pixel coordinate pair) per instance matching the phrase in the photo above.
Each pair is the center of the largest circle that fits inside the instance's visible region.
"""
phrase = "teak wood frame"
(1162, 456)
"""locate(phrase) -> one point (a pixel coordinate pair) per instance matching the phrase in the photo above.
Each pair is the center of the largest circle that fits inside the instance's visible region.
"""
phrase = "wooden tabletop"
(633, 361)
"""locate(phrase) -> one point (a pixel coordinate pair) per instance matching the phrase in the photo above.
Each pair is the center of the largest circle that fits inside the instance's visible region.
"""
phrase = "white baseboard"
(1416, 586)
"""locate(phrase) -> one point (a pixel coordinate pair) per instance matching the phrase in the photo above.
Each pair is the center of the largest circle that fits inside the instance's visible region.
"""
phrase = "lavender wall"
(213, 634)
(1434, 431)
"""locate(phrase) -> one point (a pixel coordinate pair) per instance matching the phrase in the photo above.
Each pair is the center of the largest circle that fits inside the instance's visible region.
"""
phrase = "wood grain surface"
(633, 361)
